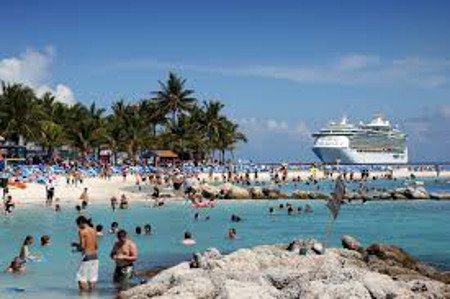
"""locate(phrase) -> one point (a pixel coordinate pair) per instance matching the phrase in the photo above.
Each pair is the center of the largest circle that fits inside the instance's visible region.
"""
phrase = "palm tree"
(19, 113)
(85, 127)
(153, 115)
(229, 137)
(53, 136)
(212, 123)
(174, 98)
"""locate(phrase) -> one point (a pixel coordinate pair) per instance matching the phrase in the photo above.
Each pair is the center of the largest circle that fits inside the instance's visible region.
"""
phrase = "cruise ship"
(376, 142)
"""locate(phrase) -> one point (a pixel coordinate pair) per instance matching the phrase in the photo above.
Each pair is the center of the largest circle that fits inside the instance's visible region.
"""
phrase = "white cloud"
(62, 93)
(264, 125)
(302, 129)
(353, 69)
(357, 61)
(33, 68)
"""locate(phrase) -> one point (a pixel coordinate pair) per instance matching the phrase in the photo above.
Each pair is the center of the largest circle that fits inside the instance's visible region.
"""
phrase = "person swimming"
(235, 218)
(78, 209)
(290, 210)
(232, 233)
(114, 228)
(99, 229)
(196, 217)
(84, 205)
(57, 208)
(17, 266)
(45, 240)
(299, 209)
(271, 211)
(147, 229)
(188, 241)
(281, 206)
(138, 230)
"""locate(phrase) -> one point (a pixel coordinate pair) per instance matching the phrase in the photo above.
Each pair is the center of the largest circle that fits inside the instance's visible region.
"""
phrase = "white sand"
(99, 191)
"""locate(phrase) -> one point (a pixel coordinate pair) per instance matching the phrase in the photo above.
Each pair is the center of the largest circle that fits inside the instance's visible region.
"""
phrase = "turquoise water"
(420, 227)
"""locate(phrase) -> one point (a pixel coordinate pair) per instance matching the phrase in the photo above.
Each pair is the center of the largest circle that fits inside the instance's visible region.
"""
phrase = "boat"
(376, 142)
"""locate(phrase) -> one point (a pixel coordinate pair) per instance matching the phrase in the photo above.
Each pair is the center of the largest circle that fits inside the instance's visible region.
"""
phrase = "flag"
(334, 204)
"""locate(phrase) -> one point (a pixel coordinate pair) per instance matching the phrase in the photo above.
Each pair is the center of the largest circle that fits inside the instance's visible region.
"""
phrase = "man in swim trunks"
(87, 274)
(124, 253)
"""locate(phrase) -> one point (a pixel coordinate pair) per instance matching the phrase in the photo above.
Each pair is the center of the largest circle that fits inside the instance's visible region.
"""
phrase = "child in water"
(17, 266)
(188, 241)
(147, 229)
(114, 228)
(45, 240)
(232, 233)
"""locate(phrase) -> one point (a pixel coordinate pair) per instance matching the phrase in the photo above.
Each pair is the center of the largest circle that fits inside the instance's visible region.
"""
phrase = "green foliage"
(171, 119)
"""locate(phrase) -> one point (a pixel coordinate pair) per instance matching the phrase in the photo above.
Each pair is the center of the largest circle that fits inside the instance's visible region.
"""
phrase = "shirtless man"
(124, 253)
(87, 274)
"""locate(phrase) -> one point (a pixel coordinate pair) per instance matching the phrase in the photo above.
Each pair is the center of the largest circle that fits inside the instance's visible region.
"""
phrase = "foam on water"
(420, 227)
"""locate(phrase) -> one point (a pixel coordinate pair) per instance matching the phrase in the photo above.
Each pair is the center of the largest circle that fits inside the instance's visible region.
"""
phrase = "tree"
(172, 118)
(19, 113)
(53, 136)
(229, 137)
(174, 98)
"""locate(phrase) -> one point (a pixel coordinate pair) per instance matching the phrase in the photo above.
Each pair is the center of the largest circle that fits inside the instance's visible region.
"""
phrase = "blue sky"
(283, 68)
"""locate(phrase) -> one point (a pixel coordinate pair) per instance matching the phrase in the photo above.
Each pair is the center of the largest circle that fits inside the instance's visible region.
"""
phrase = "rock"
(397, 195)
(248, 290)
(256, 193)
(230, 191)
(350, 243)
(299, 194)
(435, 195)
(416, 193)
(270, 193)
(382, 286)
(382, 195)
(239, 193)
(318, 248)
(319, 195)
(392, 253)
(274, 272)
(209, 191)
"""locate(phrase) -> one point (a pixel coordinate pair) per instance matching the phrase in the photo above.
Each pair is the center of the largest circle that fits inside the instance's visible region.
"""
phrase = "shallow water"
(420, 227)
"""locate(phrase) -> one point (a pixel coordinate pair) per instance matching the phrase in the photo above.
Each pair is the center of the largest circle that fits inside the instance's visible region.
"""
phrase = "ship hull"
(351, 156)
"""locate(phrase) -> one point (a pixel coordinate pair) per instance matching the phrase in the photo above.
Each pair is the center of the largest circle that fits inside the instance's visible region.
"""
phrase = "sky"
(284, 69)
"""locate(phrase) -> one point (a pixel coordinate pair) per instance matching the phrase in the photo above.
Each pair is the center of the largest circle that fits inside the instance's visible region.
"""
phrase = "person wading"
(87, 274)
(124, 253)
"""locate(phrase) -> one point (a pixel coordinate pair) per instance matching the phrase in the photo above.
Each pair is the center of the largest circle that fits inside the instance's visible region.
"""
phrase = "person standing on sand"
(87, 274)
(124, 253)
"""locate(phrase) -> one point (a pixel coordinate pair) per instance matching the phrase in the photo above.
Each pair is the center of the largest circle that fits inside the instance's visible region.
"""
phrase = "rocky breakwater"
(412, 192)
(230, 191)
(408, 193)
(299, 270)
